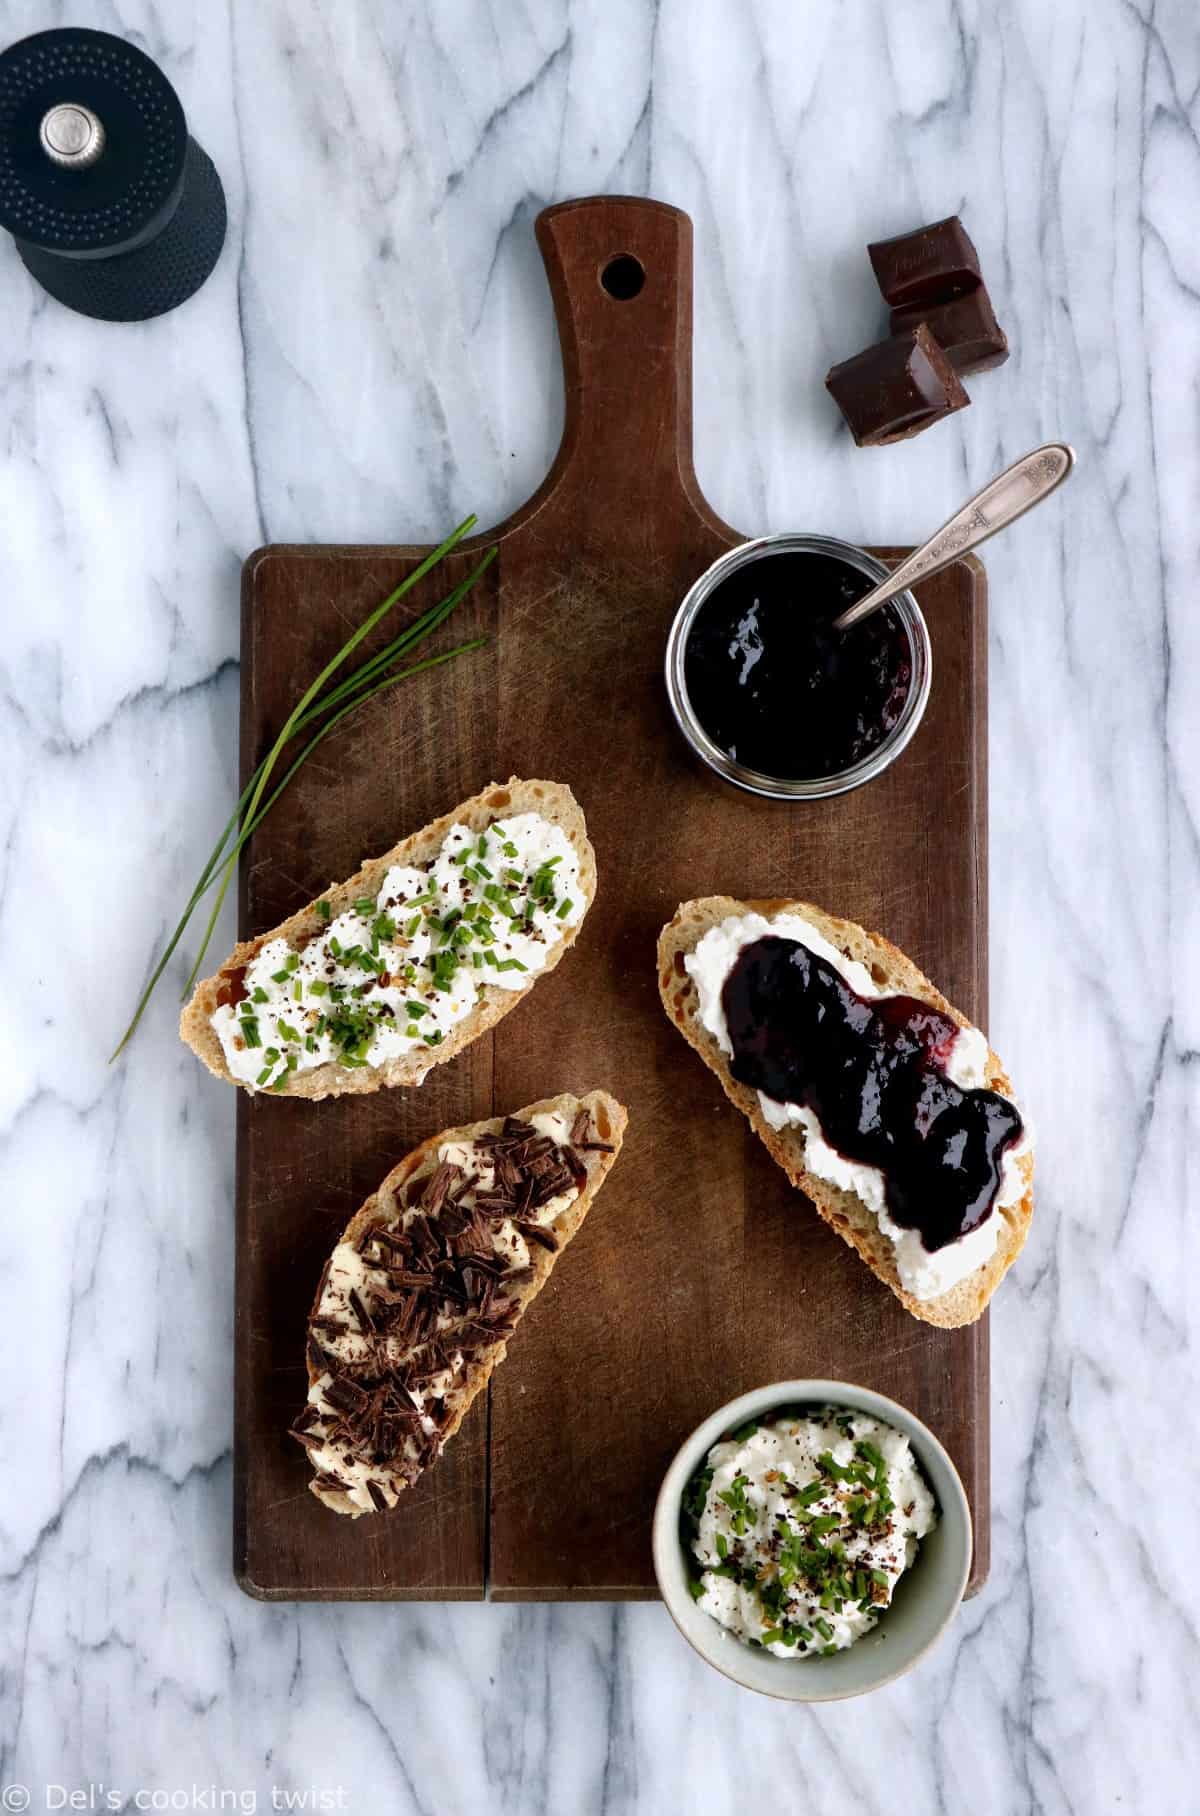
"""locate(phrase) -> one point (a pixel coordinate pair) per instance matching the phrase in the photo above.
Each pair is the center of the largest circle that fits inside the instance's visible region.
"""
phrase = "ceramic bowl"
(927, 1596)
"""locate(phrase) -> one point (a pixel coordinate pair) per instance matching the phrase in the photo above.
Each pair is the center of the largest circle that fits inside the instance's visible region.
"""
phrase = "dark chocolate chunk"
(930, 265)
(965, 328)
(896, 388)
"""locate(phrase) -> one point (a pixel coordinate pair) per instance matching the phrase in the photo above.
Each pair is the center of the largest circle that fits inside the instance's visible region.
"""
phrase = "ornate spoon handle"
(1000, 503)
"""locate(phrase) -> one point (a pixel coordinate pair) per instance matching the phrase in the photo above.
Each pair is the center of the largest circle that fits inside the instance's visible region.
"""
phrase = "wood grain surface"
(699, 1273)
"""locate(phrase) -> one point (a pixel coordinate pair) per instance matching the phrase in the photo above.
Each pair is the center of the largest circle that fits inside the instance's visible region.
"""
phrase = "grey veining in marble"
(372, 358)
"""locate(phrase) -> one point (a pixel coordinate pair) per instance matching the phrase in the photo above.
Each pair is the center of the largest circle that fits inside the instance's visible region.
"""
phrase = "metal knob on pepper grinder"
(115, 210)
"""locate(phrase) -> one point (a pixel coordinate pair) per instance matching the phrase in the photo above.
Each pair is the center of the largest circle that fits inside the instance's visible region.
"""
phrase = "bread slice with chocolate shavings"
(418, 1301)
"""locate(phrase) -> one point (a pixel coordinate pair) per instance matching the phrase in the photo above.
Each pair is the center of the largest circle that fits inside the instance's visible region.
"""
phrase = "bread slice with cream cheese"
(891, 973)
(418, 1301)
(214, 1022)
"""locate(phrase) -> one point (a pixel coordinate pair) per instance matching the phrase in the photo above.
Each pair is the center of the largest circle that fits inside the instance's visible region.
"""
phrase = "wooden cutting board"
(699, 1273)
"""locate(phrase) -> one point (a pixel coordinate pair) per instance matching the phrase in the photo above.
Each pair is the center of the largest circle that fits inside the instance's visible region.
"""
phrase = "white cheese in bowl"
(800, 1527)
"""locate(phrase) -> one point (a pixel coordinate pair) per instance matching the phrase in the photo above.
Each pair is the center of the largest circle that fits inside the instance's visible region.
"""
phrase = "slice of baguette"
(553, 800)
(386, 1356)
(853, 1220)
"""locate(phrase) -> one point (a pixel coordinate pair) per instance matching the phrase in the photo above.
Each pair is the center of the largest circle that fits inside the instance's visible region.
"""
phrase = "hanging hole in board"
(623, 277)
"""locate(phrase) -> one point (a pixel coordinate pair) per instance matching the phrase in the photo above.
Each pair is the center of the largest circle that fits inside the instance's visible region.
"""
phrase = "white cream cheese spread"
(348, 1319)
(396, 971)
(800, 1527)
(924, 1274)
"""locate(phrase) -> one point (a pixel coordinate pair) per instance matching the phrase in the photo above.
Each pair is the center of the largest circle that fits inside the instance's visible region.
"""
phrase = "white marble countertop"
(372, 358)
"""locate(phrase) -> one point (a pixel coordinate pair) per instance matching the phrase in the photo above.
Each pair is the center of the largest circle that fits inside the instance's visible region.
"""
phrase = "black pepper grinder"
(114, 209)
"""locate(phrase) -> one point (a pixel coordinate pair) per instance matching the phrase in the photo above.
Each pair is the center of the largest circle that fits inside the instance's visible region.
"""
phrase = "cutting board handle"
(620, 273)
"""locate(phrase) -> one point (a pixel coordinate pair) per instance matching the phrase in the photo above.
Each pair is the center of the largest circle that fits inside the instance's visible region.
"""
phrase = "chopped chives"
(564, 908)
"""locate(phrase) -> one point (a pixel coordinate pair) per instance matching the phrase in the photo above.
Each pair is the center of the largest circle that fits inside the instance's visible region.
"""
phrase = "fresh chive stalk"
(370, 678)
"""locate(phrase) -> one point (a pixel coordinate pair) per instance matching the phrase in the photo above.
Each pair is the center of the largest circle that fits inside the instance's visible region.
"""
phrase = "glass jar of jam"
(769, 695)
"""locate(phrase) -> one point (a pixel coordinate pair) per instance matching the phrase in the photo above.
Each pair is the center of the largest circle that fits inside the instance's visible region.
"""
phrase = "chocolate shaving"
(507, 1173)
(496, 1204)
(360, 1311)
(576, 1166)
(388, 1238)
(406, 1276)
(550, 1185)
(378, 1498)
(345, 1395)
(440, 1182)
(330, 1483)
(534, 1232)
(422, 1240)
(444, 1265)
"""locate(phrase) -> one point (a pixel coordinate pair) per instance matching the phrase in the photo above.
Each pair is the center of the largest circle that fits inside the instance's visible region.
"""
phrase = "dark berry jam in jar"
(770, 695)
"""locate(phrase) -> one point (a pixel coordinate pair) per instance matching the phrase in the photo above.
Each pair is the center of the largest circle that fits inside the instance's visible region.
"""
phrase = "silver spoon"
(1026, 483)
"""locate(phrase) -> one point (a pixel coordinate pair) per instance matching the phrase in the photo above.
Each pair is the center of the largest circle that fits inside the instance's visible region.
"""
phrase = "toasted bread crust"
(553, 800)
(844, 1210)
(609, 1119)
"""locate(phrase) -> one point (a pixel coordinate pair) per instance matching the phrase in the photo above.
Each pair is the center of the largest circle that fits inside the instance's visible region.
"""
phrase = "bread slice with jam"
(892, 973)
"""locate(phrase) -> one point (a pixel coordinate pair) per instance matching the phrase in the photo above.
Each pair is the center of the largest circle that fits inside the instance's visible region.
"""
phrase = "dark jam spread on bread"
(873, 1072)
(776, 687)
